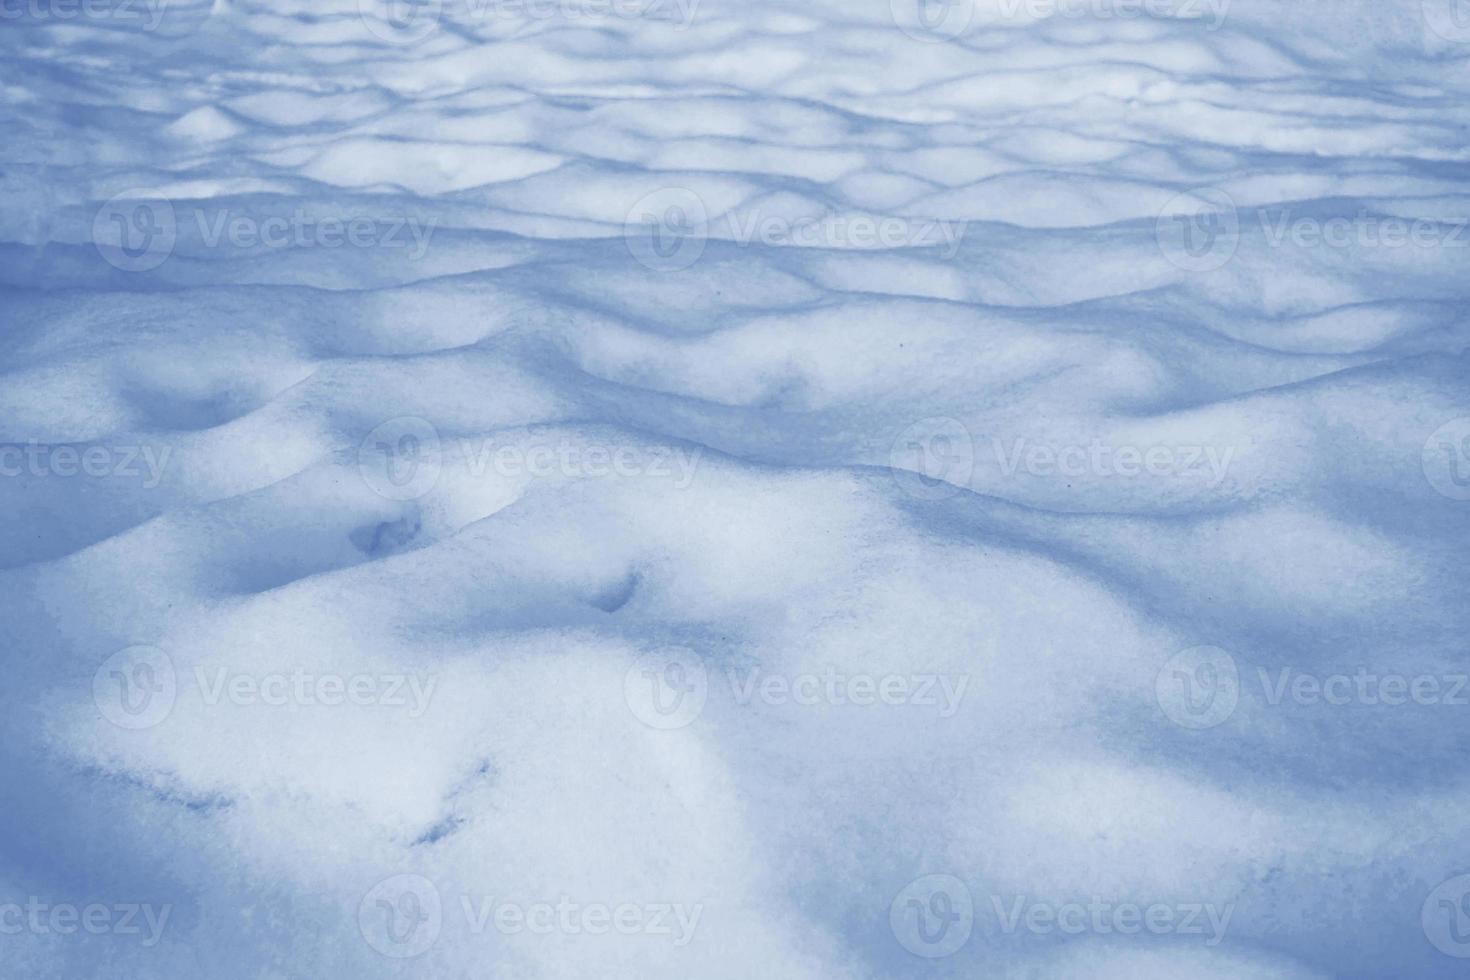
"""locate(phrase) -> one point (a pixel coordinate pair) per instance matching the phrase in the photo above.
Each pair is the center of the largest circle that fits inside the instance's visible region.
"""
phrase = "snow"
(721, 488)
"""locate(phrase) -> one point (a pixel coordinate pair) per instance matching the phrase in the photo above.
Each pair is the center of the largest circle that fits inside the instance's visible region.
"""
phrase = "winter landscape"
(734, 489)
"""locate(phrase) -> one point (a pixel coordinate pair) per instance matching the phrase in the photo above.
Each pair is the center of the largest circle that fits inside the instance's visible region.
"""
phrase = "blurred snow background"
(732, 488)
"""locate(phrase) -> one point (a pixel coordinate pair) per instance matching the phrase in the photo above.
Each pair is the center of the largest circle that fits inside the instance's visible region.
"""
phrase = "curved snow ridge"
(552, 488)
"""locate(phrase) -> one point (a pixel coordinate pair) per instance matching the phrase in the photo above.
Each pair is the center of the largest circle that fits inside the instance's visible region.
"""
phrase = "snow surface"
(838, 489)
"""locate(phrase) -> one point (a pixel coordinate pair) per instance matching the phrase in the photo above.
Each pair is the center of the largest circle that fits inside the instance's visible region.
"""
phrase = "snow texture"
(734, 488)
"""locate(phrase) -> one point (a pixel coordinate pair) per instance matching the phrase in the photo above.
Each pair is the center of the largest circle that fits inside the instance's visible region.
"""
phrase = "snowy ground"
(733, 488)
